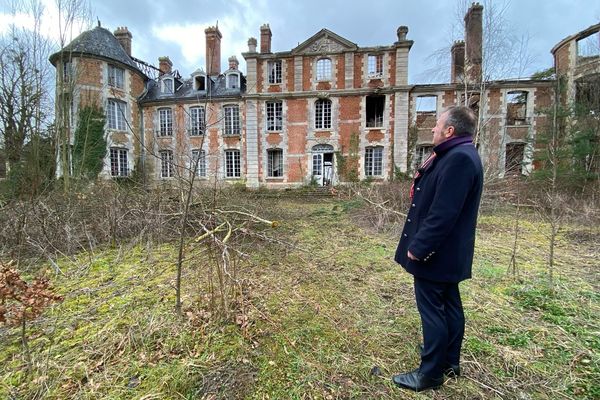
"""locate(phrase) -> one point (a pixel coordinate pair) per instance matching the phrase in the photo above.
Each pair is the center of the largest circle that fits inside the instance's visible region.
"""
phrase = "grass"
(332, 318)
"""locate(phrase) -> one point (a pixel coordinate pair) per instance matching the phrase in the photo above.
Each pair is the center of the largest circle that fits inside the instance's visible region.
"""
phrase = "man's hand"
(411, 256)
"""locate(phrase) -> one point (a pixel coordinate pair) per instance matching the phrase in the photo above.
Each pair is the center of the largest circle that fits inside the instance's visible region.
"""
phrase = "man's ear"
(450, 132)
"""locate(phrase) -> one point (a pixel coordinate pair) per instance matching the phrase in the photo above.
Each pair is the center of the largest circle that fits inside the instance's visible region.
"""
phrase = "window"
(200, 82)
(118, 162)
(165, 122)
(232, 163)
(422, 153)
(197, 121)
(274, 71)
(199, 156)
(374, 161)
(426, 107)
(317, 164)
(275, 163)
(232, 120)
(516, 108)
(274, 116)
(167, 85)
(116, 76)
(116, 114)
(166, 163)
(324, 69)
(588, 47)
(375, 66)
(375, 106)
(587, 94)
(67, 71)
(514, 158)
(323, 114)
(233, 81)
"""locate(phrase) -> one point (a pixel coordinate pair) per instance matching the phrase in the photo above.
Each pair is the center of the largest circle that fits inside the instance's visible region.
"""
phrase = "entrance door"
(322, 164)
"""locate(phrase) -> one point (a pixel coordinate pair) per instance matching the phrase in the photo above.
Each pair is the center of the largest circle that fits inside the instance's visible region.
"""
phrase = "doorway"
(323, 167)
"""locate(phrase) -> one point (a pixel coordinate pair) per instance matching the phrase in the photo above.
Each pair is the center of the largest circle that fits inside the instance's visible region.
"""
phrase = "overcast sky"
(176, 28)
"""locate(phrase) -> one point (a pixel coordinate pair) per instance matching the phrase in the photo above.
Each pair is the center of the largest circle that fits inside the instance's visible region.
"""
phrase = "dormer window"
(233, 80)
(324, 69)
(167, 85)
(200, 82)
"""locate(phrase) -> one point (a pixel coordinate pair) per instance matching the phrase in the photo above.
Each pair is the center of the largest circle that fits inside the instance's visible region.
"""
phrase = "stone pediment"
(324, 42)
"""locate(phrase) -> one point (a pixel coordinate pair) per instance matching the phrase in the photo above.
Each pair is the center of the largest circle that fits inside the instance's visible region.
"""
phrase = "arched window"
(167, 86)
(323, 114)
(324, 69)
(233, 80)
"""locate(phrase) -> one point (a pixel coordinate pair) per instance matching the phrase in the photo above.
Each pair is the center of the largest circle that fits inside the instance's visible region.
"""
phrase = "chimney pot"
(401, 32)
(165, 65)
(252, 45)
(233, 62)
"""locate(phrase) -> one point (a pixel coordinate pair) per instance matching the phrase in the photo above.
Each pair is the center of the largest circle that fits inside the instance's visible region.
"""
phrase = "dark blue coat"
(440, 225)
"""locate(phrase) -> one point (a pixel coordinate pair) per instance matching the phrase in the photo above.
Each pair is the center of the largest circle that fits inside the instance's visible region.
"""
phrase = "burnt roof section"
(184, 90)
(98, 42)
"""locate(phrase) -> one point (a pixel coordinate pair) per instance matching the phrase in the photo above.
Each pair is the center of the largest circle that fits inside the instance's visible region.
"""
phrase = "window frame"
(117, 109)
(375, 66)
(324, 69)
(233, 164)
(374, 161)
(274, 72)
(274, 113)
(323, 114)
(275, 156)
(163, 85)
(197, 124)
(165, 127)
(197, 83)
(231, 120)
(228, 80)
(201, 154)
(119, 162)
(116, 76)
(166, 163)
(377, 122)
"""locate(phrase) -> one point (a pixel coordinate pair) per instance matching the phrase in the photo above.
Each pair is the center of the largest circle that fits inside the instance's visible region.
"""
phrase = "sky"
(176, 28)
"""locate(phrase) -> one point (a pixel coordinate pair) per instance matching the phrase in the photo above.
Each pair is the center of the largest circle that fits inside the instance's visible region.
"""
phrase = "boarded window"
(514, 158)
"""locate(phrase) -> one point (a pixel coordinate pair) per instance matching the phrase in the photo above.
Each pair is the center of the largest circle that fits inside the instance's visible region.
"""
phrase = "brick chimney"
(213, 50)
(457, 70)
(233, 62)
(124, 37)
(473, 43)
(165, 65)
(265, 38)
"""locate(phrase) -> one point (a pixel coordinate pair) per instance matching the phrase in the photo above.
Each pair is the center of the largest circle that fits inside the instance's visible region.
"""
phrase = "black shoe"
(416, 381)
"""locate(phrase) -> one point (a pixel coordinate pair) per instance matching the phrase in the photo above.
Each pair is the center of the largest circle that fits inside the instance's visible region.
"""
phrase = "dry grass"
(327, 315)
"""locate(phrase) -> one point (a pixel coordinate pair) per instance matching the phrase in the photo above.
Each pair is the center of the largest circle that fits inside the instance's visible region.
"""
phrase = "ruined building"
(326, 111)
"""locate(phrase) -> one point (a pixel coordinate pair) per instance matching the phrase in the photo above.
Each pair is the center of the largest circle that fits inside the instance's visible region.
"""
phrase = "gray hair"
(463, 120)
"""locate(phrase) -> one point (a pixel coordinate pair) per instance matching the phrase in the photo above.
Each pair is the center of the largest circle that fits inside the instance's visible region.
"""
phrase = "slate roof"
(185, 90)
(97, 42)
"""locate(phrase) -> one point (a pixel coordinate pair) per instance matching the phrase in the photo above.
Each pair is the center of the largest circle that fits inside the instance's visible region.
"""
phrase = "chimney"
(265, 38)
(401, 32)
(213, 50)
(457, 71)
(233, 62)
(252, 45)
(473, 43)
(124, 37)
(165, 65)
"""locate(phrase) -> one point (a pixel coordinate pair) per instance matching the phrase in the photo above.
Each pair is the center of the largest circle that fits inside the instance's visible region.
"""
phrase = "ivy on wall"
(89, 146)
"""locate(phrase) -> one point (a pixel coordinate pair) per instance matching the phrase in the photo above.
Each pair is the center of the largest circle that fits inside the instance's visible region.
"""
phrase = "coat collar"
(443, 147)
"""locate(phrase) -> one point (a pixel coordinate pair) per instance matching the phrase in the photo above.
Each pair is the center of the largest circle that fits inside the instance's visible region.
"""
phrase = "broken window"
(323, 114)
(587, 94)
(375, 107)
(274, 116)
(514, 158)
(374, 161)
(274, 163)
(200, 82)
(426, 107)
(118, 162)
(232, 164)
(422, 153)
(375, 65)
(274, 71)
(588, 47)
(166, 163)
(324, 69)
(516, 108)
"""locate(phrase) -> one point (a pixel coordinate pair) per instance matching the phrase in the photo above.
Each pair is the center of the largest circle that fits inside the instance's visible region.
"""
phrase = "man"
(437, 244)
